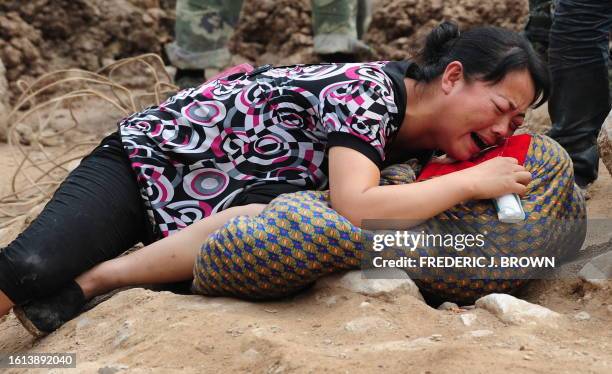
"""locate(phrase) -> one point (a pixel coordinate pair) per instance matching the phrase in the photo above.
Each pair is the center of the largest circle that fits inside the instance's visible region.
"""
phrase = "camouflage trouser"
(339, 24)
(203, 28)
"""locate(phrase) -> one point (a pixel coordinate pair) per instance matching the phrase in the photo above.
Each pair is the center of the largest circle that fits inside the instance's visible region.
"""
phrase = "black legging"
(95, 215)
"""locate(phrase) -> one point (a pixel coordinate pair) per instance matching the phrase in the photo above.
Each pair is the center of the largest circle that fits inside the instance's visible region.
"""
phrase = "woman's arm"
(355, 193)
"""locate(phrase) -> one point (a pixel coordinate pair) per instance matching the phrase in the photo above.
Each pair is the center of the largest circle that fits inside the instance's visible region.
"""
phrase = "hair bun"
(436, 43)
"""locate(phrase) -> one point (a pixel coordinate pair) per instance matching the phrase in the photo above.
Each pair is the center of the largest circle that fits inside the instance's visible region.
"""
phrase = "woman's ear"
(452, 75)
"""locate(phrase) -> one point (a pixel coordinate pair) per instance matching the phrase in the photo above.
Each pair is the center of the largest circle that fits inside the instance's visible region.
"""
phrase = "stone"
(112, 369)
(364, 324)
(604, 142)
(400, 345)
(598, 270)
(25, 133)
(468, 319)
(512, 310)
(582, 316)
(447, 305)
(275, 329)
(386, 283)
(480, 333)
(234, 331)
(251, 354)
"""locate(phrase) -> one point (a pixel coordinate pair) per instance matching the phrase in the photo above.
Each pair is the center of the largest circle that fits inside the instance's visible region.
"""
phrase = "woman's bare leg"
(168, 260)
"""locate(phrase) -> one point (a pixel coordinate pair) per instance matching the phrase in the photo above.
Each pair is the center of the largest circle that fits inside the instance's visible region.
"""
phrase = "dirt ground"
(327, 328)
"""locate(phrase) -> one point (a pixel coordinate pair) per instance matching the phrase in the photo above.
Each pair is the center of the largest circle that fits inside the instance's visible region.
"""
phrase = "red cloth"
(516, 146)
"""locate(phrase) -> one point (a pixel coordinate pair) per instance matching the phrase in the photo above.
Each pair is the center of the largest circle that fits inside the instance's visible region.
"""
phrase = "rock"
(447, 305)
(112, 369)
(398, 25)
(609, 309)
(599, 269)
(251, 354)
(582, 316)
(387, 283)
(49, 138)
(234, 332)
(468, 319)
(604, 142)
(400, 345)
(366, 324)
(275, 329)
(26, 135)
(328, 300)
(515, 311)
(33, 35)
(480, 333)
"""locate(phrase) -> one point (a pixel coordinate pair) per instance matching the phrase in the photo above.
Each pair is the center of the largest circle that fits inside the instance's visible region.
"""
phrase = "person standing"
(578, 56)
(204, 27)
(201, 32)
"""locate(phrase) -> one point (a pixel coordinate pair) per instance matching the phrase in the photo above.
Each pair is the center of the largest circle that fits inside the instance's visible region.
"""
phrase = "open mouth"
(479, 141)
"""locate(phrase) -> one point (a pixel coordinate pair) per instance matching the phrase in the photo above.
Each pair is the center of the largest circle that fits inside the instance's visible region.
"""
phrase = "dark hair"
(486, 53)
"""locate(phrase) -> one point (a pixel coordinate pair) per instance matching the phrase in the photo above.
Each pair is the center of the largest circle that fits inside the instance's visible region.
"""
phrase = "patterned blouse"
(204, 148)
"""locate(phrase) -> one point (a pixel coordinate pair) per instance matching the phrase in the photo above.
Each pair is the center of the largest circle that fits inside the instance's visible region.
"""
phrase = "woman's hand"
(495, 177)
(355, 193)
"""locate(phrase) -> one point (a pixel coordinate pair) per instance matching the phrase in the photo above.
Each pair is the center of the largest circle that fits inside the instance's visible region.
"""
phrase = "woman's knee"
(25, 274)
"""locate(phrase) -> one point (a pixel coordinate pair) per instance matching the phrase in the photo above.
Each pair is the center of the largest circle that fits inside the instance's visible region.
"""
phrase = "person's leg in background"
(202, 30)
(538, 26)
(96, 214)
(578, 59)
(338, 26)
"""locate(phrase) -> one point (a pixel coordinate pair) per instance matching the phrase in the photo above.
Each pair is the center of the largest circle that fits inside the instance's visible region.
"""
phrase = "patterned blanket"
(298, 238)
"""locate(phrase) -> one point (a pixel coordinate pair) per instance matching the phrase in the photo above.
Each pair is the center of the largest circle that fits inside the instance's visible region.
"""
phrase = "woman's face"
(477, 114)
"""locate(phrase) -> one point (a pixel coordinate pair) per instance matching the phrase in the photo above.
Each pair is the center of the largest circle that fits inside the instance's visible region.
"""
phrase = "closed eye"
(497, 108)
